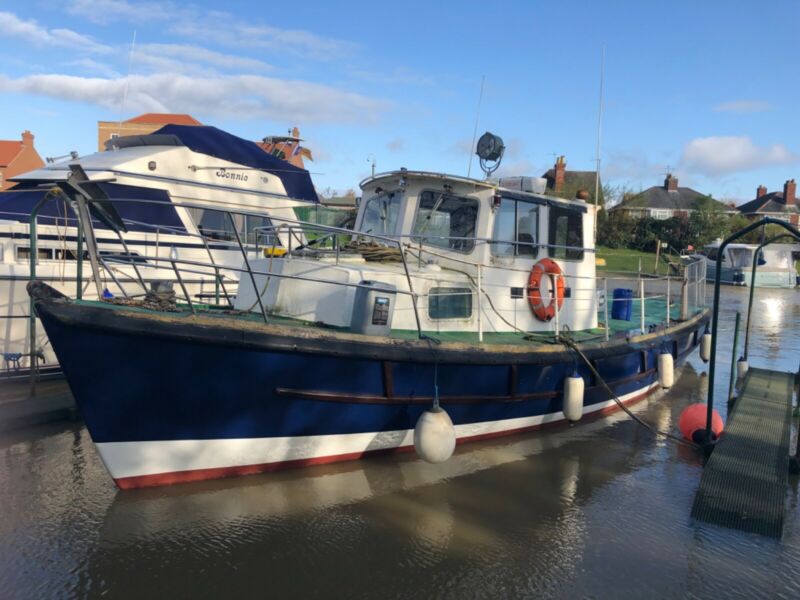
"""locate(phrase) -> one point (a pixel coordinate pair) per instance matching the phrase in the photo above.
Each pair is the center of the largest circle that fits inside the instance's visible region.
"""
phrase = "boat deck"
(745, 480)
(655, 315)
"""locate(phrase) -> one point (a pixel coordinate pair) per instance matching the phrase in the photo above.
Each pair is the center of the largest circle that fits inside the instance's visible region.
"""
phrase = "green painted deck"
(745, 480)
(655, 316)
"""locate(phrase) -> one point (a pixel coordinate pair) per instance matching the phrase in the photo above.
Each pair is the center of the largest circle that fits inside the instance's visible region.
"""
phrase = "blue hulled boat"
(457, 310)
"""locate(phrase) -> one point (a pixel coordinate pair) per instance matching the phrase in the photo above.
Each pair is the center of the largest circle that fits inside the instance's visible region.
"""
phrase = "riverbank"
(624, 260)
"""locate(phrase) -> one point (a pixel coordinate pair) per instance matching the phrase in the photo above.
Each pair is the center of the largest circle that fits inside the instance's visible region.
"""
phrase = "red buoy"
(693, 419)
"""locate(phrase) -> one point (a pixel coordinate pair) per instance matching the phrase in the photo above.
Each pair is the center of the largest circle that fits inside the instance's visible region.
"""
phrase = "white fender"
(573, 397)
(434, 435)
(741, 368)
(705, 347)
(666, 371)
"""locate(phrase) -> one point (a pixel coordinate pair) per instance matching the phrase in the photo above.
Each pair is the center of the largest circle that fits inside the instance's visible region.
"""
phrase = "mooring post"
(733, 355)
(79, 259)
(641, 301)
(685, 297)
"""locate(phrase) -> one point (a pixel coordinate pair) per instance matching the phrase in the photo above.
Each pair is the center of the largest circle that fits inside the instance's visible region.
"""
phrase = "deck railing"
(654, 295)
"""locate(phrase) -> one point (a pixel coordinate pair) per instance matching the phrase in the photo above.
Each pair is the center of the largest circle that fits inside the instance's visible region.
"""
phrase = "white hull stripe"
(136, 459)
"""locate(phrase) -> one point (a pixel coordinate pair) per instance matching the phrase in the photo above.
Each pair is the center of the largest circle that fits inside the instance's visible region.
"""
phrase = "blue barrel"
(622, 307)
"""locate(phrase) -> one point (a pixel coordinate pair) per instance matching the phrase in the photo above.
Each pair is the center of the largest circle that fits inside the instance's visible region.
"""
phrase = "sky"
(705, 90)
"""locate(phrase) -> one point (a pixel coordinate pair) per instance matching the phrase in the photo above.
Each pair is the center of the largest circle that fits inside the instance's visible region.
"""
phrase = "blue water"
(595, 510)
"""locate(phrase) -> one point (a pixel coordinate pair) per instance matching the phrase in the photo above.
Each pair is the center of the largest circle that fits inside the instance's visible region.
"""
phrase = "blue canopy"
(17, 203)
(225, 146)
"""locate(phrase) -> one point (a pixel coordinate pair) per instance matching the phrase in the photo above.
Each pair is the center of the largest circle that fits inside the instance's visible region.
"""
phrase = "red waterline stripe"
(159, 479)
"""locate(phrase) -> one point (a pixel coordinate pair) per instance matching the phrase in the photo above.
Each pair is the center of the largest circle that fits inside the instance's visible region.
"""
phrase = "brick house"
(141, 125)
(565, 184)
(779, 205)
(666, 201)
(17, 157)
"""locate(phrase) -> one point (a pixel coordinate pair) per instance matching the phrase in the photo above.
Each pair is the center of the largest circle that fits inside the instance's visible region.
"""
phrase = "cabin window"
(381, 214)
(449, 303)
(566, 233)
(741, 257)
(517, 222)
(24, 253)
(216, 225)
(446, 221)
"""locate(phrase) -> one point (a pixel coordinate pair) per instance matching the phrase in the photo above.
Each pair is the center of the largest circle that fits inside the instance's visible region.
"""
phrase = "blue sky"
(708, 89)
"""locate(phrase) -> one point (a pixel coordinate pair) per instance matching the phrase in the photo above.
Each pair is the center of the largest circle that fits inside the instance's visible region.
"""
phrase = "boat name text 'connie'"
(228, 175)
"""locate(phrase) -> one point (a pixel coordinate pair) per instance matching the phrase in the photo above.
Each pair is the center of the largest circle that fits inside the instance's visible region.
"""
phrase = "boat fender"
(741, 367)
(692, 423)
(705, 347)
(666, 370)
(542, 311)
(434, 435)
(573, 397)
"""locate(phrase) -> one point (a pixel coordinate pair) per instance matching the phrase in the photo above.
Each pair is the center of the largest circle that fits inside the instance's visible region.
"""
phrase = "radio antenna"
(127, 81)
(475, 130)
(599, 133)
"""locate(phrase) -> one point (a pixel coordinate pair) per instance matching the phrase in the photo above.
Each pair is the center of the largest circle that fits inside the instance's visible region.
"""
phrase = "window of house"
(381, 214)
(517, 222)
(661, 213)
(446, 221)
(566, 234)
(449, 303)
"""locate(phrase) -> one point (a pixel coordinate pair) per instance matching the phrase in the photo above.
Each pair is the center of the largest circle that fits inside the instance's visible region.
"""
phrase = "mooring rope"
(569, 343)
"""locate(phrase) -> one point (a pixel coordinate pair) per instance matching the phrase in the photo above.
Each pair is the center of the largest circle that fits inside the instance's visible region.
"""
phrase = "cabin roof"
(467, 180)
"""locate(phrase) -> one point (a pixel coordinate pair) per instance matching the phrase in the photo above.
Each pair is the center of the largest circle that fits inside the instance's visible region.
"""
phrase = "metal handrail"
(794, 232)
(293, 227)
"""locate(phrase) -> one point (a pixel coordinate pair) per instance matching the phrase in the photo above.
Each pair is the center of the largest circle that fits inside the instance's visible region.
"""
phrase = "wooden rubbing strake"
(745, 480)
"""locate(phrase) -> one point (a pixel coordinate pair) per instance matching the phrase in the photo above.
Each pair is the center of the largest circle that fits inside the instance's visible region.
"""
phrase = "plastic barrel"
(622, 307)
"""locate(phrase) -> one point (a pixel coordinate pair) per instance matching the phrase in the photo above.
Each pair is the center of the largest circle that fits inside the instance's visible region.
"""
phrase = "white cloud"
(107, 11)
(236, 96)
(396, 76)
(30, 31)
(224, 28)
(726, 154)
(89, 66)
(215, 26)
(744, 106)
(632, 165)
(186, 58)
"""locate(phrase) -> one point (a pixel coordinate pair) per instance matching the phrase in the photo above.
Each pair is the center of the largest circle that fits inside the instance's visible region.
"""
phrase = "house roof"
(583, 179)
(573, 181)
(769, 203)
(684, 198)
(164, 119)
(9, 149)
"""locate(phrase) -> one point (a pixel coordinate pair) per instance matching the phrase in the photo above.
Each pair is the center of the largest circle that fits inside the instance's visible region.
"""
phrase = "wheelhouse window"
(449, 303)
(446, 221)
(516, 227)
(381, 214)
(566, 233)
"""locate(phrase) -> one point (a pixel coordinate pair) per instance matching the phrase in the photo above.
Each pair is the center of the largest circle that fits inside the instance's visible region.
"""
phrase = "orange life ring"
(545, 312)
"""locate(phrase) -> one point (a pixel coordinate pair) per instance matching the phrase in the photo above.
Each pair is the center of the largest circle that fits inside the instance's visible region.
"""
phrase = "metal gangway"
(745, 479)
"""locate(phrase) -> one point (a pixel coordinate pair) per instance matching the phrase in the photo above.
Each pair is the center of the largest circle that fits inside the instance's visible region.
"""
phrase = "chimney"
(761, 191)
(560, 168)
(789, 193)
(671, 183)
(27, 139)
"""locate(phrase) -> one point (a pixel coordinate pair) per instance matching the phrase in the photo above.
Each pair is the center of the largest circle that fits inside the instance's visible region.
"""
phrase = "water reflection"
(601, 508)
